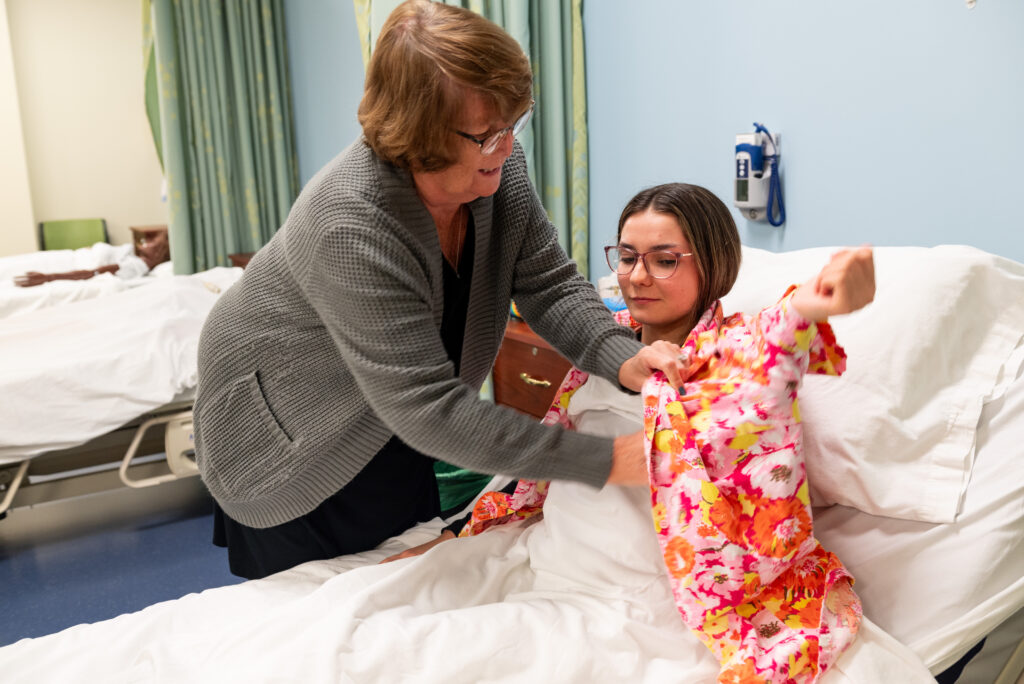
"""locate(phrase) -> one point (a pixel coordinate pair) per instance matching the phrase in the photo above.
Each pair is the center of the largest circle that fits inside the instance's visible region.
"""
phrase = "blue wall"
(895, 117)
(326, 64)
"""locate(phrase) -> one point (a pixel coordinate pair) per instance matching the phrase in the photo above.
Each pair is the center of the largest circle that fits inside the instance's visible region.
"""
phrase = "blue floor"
(96, 557)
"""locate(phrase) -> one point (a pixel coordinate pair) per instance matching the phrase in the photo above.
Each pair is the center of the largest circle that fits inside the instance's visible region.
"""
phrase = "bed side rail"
(178, 447)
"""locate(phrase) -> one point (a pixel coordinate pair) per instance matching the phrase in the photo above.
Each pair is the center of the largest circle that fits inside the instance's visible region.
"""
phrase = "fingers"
(847, 282)
(421, 549)
(629, 461)
(670, 360)
(857, 279)
(661, 355)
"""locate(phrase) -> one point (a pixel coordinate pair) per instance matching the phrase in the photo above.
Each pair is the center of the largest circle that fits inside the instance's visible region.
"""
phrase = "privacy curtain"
(218, 99)
(551, 33)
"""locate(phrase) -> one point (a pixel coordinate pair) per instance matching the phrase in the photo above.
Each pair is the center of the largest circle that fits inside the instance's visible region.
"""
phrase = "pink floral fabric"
(729, 496)
(730, 499)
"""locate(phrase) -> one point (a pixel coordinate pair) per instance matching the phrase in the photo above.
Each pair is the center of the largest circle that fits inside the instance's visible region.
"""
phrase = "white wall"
(89, 151)
(15, 202)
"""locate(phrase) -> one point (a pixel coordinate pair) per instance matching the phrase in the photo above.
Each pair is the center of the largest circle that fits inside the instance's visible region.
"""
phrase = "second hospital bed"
(89, 384)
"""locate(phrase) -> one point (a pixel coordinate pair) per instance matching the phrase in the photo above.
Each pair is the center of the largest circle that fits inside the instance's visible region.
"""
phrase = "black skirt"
(396, 490)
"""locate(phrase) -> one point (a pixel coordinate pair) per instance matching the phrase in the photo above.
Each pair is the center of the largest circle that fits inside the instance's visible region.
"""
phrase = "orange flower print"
(706, 530)
(810, 574)
(740, 673)
(725, 514)
(779, 527)
(803, 614)
(678, 557)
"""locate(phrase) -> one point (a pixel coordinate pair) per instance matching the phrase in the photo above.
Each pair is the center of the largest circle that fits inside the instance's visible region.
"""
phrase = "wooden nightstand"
(528, 371)
(241, 260)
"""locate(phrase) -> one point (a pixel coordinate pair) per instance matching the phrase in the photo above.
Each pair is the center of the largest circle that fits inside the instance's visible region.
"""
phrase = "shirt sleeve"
(796, 345)
(131, 266)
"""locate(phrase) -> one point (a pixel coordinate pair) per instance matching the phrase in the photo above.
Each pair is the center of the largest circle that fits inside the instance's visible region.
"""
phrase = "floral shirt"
(729, 496)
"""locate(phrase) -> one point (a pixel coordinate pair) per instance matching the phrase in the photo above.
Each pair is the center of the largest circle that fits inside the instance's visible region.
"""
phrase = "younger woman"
(728, 492)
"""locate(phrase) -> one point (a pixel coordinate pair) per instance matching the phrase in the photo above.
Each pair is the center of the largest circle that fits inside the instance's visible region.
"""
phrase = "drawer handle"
(534, 382)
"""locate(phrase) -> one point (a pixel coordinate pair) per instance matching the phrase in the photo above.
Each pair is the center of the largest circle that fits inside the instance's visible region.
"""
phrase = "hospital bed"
(97, 392)
(917, 468)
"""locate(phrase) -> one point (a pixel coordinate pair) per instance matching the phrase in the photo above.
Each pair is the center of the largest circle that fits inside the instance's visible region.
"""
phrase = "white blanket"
(580, 596)
(74, 372)
(14, 300)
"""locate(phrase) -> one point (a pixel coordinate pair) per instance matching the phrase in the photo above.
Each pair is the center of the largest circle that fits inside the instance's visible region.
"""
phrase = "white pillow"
(895, 435)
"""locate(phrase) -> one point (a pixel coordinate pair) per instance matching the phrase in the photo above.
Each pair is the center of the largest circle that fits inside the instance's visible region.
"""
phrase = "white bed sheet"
(16, 301)
(396, 622)
(74, 372)
(579, 596)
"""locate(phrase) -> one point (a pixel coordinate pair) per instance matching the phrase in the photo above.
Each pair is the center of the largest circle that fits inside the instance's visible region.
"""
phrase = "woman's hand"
(661, 355)
(629, 461)
(844, 285)
(422, 548)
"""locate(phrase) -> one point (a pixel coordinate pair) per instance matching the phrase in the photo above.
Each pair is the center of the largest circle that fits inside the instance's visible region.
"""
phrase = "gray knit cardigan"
(330, 344)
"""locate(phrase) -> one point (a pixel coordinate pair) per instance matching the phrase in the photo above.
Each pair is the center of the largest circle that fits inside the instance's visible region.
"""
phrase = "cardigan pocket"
(249, 453)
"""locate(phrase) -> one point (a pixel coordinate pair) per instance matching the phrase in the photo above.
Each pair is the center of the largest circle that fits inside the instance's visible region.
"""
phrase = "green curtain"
(551, 33)
(224, 127)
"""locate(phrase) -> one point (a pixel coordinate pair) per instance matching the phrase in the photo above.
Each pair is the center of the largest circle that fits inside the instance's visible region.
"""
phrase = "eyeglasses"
(491, 142)
(662, 263)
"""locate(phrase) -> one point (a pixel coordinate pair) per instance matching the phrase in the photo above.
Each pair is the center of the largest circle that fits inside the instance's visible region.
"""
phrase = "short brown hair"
(426, 56)
(708, 227)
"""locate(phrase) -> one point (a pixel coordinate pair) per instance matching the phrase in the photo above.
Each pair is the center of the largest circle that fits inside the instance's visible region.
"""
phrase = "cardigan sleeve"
(560, 304)
(370, 287)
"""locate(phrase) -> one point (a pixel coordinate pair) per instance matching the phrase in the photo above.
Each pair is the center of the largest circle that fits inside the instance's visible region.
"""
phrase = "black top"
(456, 298)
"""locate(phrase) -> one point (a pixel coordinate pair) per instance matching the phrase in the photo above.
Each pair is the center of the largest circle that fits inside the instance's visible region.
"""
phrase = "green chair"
(72, 234)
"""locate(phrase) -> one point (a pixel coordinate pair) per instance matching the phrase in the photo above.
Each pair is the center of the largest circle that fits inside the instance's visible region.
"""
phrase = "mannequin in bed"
(148, 254)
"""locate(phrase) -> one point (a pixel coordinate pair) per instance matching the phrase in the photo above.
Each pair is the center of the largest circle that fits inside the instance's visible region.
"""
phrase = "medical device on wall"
(758, 192)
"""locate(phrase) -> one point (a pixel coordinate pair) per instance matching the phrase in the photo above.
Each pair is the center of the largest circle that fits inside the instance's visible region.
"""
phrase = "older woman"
(351, 353)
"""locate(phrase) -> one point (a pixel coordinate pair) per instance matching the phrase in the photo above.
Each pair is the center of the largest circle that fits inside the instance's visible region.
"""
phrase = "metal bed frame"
(125, 457)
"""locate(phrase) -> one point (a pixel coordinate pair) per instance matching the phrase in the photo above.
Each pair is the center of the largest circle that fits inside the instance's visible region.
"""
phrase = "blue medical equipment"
(758, 192)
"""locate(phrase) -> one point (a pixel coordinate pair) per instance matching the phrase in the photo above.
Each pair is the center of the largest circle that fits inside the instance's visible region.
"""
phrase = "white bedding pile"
(74, 372)
(132, 272)
(580, 596)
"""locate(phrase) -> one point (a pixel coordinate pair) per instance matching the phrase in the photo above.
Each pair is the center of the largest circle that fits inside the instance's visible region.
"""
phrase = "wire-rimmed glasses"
(491, 142)
(659, 263)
